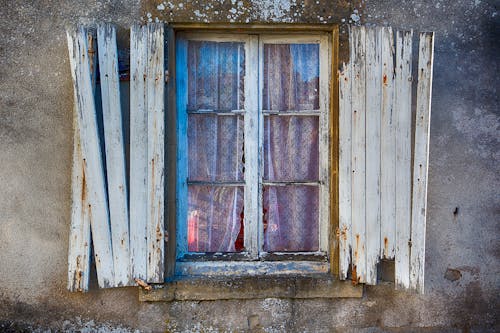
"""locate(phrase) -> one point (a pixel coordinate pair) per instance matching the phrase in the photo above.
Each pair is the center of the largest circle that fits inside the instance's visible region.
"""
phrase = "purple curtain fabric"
(215, 82)
(216, 147)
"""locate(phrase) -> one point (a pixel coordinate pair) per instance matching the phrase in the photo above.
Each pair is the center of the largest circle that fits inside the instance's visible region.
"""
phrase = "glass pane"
(291, 150)
(215, 219)
(215, 147)
(216, 74)
(291, 77)
(291, 218)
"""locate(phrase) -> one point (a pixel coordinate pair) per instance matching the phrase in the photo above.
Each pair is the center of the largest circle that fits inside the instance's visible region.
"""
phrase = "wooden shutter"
(382, 195)
(124, 249)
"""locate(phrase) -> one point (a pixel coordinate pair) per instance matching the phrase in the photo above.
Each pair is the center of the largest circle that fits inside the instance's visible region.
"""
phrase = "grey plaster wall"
(35, 165)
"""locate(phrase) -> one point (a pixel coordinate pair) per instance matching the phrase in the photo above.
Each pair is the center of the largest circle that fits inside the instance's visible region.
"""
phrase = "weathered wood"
(373, 105)
(155, 85)
(345, 171)
(421, 161)
(138, 152)
(402, 107)
(358, 160)
(251, 207)
(324, 142)
(387, 149)
(91, 153)
(251, 288)
(334, 155)
(79, 239)
(115, 152)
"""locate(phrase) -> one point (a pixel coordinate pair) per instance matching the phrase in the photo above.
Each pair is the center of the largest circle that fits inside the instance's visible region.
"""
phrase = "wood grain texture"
(91, 153)
(252, 204)
(373, 105)
(402, 106)
(334, 249)
(358, 157)
(345, 171)
(421, 161)
(79, 239)
(138, 152)
(115, 152)
(155, 82)
(387, 149)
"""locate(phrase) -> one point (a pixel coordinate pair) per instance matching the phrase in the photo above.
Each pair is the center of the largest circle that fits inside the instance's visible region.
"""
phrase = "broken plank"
(138, 152)
(421, 161)
(155, 85)
(115, 152)
(402, 106)
(91, 153)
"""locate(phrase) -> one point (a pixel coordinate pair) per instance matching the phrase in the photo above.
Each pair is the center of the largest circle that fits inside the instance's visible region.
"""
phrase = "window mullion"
(252, 148)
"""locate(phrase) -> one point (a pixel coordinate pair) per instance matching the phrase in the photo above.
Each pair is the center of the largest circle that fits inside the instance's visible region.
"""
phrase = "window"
(252, 113)
(252, 126)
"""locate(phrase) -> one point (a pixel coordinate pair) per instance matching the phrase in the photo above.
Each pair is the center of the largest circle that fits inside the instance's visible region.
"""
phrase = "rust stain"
(84, 186)
(385, 79)
(354, 277)
(386, 246)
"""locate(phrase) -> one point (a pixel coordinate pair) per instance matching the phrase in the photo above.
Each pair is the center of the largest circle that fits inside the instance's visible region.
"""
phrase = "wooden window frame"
(255, 262)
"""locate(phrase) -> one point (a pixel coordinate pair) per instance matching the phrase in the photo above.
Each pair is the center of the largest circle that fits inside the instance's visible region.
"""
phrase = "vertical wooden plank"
(388, 149)
(182, 146)
(91, 152)
(358, 199)
(403, 155)
(138, 153)
(79, 239)
(115, 151)
(421, 160)
(345, 171)
(373, 105)
(324, 142)
(155, 85)
(334, 155)
(251, 194)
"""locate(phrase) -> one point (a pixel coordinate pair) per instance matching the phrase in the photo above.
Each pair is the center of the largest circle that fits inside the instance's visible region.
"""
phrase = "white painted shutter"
(382, 199)
(126, 247)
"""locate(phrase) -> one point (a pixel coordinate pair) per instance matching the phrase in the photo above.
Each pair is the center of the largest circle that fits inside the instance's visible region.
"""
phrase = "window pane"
(291, 218)
(291, 77)
(216, 74)
(215, 219)
(291, 148)
(215, 147)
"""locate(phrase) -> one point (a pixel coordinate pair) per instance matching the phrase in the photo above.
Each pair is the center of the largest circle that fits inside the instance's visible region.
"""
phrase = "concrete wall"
(36, 105)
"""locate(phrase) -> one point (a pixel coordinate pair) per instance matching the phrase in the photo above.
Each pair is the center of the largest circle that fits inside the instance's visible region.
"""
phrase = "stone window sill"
(208, 289)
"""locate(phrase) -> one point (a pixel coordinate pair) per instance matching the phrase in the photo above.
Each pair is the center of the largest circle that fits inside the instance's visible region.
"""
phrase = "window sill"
(209, 289)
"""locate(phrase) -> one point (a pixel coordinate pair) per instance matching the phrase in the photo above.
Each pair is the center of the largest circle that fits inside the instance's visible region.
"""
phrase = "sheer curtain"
(215, 83)
(291, 83)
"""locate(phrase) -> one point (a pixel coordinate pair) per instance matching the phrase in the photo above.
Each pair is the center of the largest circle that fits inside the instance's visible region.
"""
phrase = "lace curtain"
(216, 147)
